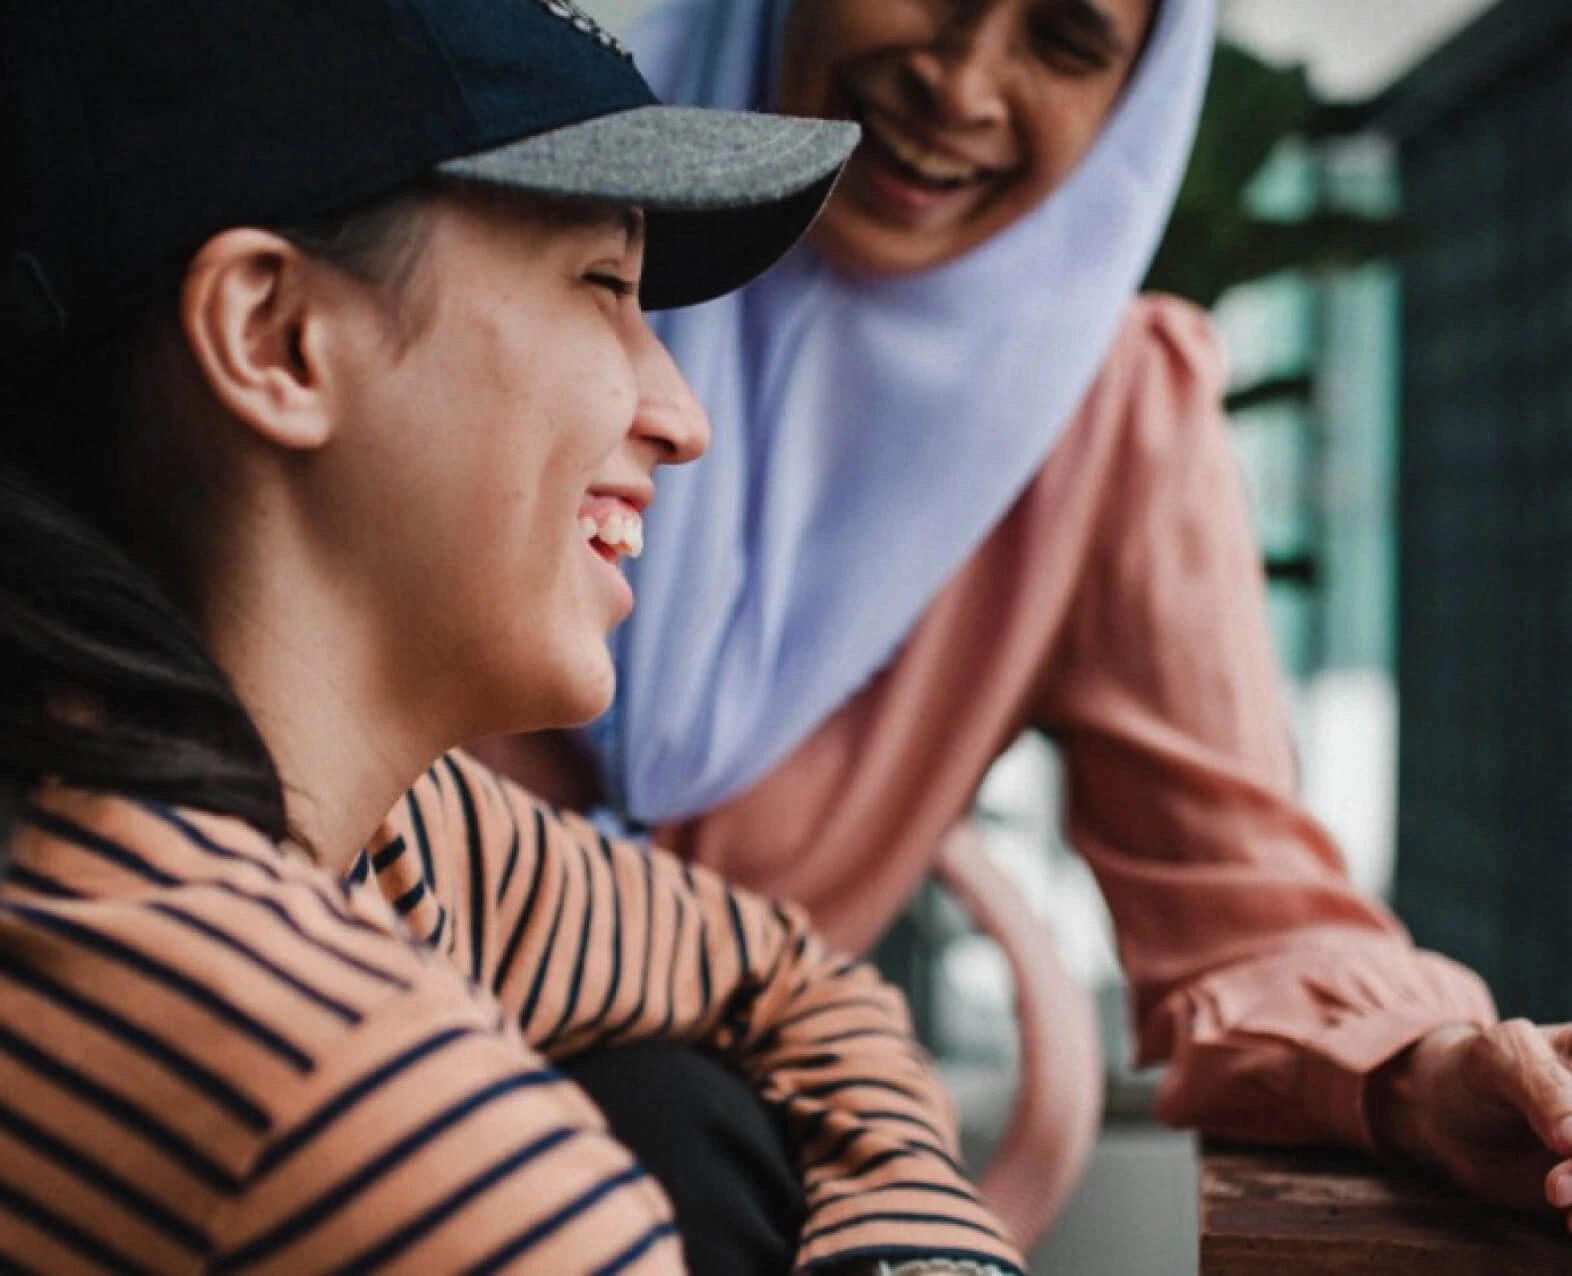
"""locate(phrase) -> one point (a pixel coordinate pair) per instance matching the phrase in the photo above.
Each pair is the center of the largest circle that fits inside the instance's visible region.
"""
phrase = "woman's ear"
(256, 326)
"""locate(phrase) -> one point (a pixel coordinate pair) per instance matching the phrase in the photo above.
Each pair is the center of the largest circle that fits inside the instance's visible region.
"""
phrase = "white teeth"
(620, 530)
(930, 164)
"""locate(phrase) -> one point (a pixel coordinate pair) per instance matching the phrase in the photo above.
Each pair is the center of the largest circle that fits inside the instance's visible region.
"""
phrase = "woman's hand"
(1490, 1108)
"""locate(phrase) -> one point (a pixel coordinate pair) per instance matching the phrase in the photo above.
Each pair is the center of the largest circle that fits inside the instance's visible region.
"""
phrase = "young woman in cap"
(963, 484)
(331, 408)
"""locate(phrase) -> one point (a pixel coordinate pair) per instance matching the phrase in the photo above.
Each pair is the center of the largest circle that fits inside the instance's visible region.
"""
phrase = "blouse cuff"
(1281, 1048)
(1358, 1039)
(1336, 1083)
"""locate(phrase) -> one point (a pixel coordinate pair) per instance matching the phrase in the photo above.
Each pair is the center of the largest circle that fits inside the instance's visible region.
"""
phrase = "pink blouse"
(1120, 607)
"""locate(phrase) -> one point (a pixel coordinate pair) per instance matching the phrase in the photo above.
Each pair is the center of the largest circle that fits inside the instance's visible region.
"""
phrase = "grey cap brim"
(725, 193)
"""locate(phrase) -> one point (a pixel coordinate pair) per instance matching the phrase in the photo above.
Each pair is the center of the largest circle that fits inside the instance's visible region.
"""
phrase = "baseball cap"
(132, 132)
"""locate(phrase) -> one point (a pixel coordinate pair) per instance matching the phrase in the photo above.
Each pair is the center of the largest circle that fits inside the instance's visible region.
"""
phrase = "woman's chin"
(867, 247)
(563, 696)
(587, 695)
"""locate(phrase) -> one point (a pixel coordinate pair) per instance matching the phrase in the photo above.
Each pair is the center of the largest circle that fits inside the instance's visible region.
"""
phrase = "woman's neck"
(307, 665)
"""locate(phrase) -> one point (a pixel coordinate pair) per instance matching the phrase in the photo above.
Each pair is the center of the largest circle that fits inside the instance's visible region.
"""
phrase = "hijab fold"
(867, 434)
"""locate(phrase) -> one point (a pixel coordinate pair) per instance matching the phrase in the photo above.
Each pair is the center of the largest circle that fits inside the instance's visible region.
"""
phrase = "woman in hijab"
(964, 482)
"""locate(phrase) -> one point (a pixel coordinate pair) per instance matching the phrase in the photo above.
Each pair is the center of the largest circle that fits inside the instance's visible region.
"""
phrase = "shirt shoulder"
(173, 986)
(1157, 400)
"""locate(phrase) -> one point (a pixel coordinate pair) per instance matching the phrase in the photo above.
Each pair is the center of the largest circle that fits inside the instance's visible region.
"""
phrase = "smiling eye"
(616, 285)
(1074, 38)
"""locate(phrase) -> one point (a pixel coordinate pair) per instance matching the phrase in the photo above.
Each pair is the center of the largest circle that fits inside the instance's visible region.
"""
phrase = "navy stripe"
(614, 982)
(329, 1203)
(168, 977)
(410, 899)
(904, 1253)
(680, 906)
(477, 870)
(10, 1267)
(643, 984)
(133, 1200)
(586, 927)
(527, 913)
(119, 1110)
(340, 955)
(827, 1088)
(836, 1150)
(412, 1232)
(815, 1062)
(440, 929)
(360, 871)
(509, 864)
(347, 1013)
(389, 855)
(282, 1149)
(58, 826)
(852, 1034)
(825, 1195)
(169, 815)
(637, 1250)
(581, 1204)
(874, 1116)
(417, 821)
(527, 1011)
(68, 1234)
(908, 1147)
(27, 879)
(83, 837)
(860, 1169)
(332, 905)
(744, 960)
(811, 1235)
(199, 1077)
(772, 1037)
(706, 982)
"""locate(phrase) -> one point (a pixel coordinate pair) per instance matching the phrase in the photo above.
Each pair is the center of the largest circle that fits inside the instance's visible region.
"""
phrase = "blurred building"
(1483, 138)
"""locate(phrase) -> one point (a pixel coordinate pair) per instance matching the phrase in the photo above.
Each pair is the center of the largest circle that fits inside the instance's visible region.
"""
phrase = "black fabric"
(716, 1149)
(132, 132)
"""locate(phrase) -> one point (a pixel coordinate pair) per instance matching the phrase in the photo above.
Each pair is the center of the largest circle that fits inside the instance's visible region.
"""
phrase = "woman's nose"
(669, 413)
(962, 75)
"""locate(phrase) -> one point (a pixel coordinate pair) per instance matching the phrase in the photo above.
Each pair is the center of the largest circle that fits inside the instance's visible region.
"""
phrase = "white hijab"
(868, 435)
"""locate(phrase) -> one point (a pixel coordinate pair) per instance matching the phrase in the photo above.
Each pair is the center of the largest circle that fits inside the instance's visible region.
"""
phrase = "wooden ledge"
(1272, 1212)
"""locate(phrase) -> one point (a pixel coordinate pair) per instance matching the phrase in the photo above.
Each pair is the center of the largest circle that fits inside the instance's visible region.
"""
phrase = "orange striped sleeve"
(215, 1058)
(433, 1142)
(589, 942)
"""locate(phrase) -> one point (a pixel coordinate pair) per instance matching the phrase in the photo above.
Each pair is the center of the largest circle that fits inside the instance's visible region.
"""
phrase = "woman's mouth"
(918, 162)
(906, 179)
(612, 528)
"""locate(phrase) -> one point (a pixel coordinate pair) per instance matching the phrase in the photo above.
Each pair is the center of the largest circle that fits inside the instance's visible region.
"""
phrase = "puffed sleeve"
(1272, 987)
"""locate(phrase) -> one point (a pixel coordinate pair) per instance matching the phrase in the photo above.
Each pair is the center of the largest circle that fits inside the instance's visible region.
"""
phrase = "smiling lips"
(920, 161)
(613, 528)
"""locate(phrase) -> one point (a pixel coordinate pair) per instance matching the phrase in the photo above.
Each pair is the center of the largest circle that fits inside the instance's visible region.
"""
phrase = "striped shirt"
(215, 1057)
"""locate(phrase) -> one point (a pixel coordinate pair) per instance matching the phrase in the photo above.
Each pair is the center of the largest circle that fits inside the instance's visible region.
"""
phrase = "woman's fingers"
(1531, 1073)
(1560, 1038)
(1558, 1186)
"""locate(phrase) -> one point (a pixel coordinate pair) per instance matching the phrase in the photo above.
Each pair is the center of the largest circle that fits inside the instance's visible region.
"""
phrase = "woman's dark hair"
(105, 682)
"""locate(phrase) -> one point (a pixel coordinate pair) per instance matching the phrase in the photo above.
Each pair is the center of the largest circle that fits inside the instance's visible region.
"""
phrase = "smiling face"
(973, 111)
(494, 468)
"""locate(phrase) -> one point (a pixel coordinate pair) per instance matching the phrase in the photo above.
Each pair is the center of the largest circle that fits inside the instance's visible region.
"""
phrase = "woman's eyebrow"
(1091, 20)
(593, 215)
(632, 220)
(624, 217)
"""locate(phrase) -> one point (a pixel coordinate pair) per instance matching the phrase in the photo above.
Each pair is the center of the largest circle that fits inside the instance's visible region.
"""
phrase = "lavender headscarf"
(868, 435)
